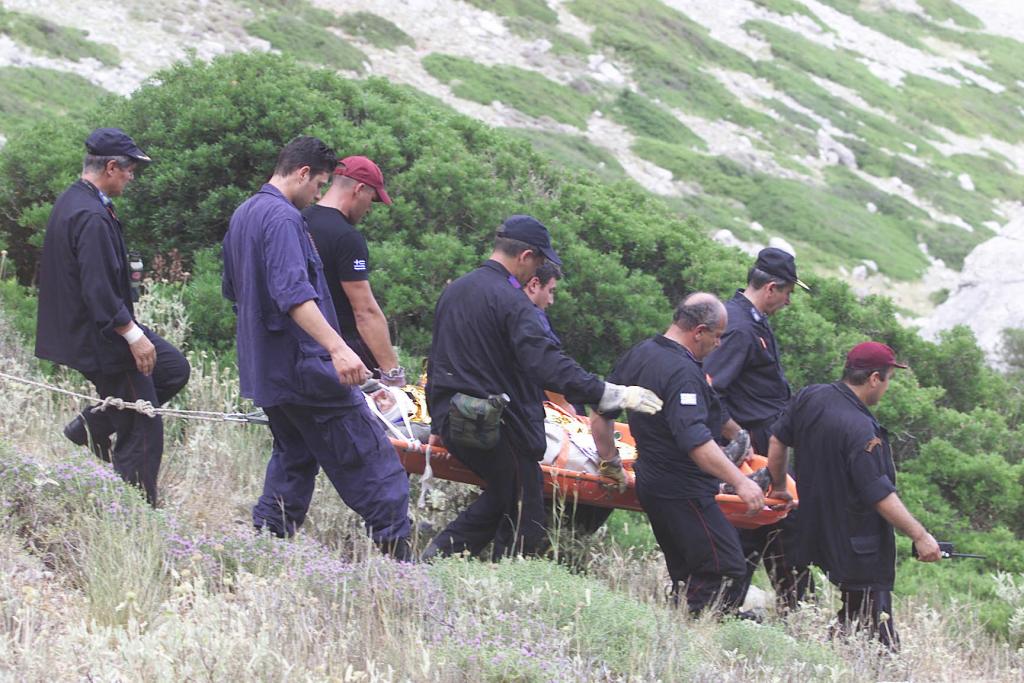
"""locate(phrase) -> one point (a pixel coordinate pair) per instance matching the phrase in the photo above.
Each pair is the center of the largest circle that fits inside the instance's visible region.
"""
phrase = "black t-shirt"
(691, 416)
(345, 255)
(844, 465)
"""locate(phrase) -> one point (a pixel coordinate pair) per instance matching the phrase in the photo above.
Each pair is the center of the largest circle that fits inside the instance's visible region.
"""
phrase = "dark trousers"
(510, 511)
(139, 447)
(350, 445)
(701, 549)
(775, 544)
(865, 607)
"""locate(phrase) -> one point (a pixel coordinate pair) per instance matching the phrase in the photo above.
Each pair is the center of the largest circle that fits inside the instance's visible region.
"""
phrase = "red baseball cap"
(871, 355)
(366, 172)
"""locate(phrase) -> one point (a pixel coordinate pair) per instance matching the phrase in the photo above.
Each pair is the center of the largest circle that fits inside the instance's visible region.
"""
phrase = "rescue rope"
(140, 406)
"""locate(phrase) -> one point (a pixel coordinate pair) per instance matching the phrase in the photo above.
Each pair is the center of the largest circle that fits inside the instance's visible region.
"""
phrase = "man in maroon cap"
(357, 184)
(848, 500)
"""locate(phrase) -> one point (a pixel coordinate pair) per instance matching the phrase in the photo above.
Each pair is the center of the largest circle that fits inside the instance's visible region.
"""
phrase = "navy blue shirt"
(84, 286)
(745, 369)
(691, 416)
(488, 340)
(545, 323)
(271, 266)
(844, 465)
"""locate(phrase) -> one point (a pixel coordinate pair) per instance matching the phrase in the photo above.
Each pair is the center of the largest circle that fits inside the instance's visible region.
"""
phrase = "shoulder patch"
(871, 445)
(359, 264)
(686, 399)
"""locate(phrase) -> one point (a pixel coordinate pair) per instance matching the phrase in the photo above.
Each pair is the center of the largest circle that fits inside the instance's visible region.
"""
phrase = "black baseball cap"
(113, 142)
(530, 230)
(779, 263)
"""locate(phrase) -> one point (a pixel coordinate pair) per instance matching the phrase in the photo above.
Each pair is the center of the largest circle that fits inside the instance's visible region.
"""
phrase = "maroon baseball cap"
(872, 355)
(366, 172)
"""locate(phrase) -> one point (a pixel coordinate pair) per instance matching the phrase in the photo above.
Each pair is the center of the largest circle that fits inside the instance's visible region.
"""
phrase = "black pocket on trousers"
(865, 545)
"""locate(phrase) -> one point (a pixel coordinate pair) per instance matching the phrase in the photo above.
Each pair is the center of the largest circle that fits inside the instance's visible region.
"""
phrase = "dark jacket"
(745, 368)
(84, 285)
(844, 464)
(488, 340)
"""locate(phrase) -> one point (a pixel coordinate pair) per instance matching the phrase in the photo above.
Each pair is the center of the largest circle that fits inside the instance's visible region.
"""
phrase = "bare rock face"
(990, 294)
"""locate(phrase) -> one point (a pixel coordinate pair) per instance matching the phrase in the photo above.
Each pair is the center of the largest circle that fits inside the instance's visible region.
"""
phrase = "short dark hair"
(547, 272)
(691, 313)
(306, 150)
(98, 162)
(511, 247)
(757, 278)
(856, 376)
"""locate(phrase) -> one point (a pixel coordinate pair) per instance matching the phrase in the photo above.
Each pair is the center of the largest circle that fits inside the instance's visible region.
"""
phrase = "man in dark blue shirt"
(87, 319)
(679, 464)
(747, 374)
(848, 494)
(488, 342)
(294, 364)
(540, 289)
(357, 183)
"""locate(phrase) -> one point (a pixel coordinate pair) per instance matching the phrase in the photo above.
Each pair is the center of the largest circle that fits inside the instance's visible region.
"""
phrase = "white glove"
(617, 397)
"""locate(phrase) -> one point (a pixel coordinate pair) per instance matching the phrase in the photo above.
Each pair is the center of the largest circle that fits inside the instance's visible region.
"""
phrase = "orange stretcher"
(585, 487)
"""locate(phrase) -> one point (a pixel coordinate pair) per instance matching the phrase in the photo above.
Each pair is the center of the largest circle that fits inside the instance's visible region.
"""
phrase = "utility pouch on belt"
(476, 422)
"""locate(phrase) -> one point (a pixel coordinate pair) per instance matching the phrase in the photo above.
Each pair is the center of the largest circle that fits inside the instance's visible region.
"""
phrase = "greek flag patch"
(359, 264)
(687, 399)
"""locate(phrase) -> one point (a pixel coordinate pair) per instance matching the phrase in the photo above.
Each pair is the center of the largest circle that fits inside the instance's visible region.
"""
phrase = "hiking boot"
(738, 447)
(77, 432)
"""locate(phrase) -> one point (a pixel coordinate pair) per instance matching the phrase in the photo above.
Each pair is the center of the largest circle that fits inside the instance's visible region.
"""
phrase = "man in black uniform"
(487, 342)
(679, 464)
(86, 319)
(747, 374)
(848, 488)
(358, 182)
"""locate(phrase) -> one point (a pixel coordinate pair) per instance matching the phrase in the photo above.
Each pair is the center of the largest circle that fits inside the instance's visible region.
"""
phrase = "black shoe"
(77, 432)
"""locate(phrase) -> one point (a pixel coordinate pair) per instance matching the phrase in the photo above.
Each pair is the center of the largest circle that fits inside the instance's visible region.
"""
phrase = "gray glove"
(613, 470)
(395, 377)
(617, 397)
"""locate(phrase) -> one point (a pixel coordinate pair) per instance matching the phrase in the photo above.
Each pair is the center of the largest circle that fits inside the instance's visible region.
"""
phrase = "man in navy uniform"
(747, 374)
(540, 289)
(848, 496)
(679, 464)
(488, 341)
(86, 317)
(294, 364)
(357, 183)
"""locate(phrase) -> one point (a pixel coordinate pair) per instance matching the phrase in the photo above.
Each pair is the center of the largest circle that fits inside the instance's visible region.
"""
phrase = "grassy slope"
(32, 91)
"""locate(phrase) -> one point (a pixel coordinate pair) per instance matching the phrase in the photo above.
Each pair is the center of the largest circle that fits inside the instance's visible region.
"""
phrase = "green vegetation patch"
(30, 92)
(375, 29)
(305, 39)
(531, 9)
(645, 118)
(527, 91)
(597, 621)
(941, 10)
(572, 152)
(561, 42)
(792, 7)
(53, 39)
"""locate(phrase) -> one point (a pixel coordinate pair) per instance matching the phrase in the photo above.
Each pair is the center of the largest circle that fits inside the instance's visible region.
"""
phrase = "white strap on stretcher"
(411, 442)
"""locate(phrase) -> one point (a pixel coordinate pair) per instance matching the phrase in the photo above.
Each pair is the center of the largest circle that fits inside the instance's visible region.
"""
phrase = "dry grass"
(96, 586)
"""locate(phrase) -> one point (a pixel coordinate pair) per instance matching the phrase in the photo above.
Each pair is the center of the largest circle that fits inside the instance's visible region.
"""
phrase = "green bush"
(533, 9)
(646, 119)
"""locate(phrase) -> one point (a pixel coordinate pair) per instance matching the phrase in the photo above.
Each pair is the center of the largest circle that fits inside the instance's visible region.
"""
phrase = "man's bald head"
(699, 308)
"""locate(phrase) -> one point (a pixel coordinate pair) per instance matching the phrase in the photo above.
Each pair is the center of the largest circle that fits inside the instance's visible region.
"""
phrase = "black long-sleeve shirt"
(84, 285)
(488, 340)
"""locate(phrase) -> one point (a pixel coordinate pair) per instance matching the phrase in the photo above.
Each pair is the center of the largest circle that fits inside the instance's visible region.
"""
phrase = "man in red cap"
(357, 184)
(848, 500)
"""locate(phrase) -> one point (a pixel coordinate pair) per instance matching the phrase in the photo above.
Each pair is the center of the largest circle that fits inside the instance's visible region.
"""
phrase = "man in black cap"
(747, 374)
(490, 362)
(86, 319)
(849, 500)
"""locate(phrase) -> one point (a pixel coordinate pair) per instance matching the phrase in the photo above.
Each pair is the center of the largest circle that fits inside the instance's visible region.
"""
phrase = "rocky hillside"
(881, 140)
